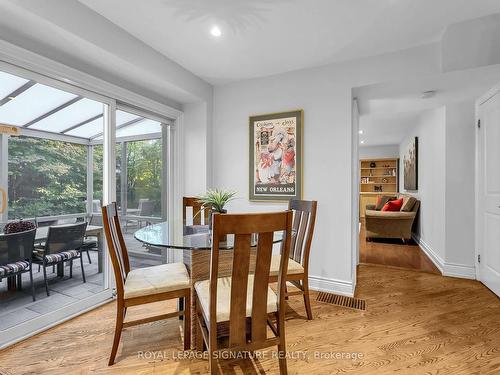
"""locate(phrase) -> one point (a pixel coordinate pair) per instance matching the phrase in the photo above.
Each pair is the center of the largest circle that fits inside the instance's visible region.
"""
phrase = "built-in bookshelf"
(379, 176)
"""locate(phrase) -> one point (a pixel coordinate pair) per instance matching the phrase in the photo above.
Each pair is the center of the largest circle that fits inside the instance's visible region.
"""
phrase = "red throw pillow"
(394, 205)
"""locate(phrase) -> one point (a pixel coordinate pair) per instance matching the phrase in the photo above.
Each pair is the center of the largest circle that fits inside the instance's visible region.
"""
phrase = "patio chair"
(16, 252)
(91, 242)
(63, 245)
(145, 208)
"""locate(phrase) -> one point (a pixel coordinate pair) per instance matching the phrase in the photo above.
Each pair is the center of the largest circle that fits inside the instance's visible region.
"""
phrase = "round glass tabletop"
(195, 237)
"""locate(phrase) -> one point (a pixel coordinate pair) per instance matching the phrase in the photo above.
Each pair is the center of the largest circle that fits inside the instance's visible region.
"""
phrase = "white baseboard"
(447, 269)
(323, 284)
(459, 270)
(433, 256)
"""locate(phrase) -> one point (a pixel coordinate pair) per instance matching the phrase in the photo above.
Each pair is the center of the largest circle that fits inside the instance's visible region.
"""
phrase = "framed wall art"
(410, 165)
(276, 161)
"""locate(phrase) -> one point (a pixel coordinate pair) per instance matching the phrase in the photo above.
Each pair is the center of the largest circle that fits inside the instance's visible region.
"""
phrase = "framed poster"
(410, 165)
(276, 156)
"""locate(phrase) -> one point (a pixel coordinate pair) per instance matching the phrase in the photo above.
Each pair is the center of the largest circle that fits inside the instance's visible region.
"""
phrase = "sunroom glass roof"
(32, 105)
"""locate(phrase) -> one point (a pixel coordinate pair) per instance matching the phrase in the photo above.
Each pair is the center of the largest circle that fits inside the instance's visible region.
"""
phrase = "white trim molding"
(462, 271)
(323, 284)
(433, 256)
(459, 270)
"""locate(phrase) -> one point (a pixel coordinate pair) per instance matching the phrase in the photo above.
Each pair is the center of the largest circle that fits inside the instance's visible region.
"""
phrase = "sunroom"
(52, 174)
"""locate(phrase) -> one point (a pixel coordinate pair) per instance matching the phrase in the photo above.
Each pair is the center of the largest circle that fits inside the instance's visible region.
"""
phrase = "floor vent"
(335, 299)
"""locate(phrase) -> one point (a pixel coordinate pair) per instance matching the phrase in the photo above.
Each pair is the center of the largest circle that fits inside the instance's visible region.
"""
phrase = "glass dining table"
(195, 243)
(194, 237)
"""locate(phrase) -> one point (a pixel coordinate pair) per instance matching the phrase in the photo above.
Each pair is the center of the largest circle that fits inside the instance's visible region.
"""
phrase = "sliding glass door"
(46, 171)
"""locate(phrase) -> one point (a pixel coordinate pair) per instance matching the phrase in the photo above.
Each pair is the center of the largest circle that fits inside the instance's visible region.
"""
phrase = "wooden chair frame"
(121, 266)
(247, 334)
(197, 207)
(302, 234)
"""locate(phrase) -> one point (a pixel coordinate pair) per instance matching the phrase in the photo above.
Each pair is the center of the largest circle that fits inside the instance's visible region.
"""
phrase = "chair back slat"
(65, 237)
(116, 244)
(239, 285)
(300, 237)
(260, 289)
(297, 217)
(243, 226)
(16, 246)
(195, 204)
(303, 228)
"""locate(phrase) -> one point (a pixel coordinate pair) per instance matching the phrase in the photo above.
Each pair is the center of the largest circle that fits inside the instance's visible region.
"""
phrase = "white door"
(488, 205)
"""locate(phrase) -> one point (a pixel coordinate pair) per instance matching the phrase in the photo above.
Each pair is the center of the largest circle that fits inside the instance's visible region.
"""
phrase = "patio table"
(196, 245)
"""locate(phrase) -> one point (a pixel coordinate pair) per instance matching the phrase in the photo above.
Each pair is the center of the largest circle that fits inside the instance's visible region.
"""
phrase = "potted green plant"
(215, 200)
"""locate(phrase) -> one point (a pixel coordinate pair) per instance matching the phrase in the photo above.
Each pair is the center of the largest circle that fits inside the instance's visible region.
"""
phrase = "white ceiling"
(389, 110)
(264, 37)
(387, 128)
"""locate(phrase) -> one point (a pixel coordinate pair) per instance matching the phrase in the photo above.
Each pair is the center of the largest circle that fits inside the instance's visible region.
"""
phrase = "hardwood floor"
(394, 253)
(415, 322)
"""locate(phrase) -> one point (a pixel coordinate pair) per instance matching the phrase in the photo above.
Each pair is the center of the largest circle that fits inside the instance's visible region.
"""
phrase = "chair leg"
(45, 278)
(88, 256)
(281, 345)
(282, 357)
(187, 321)
(71, 269)
(38, 268)
(212, 362)
(83, 271)
(19, 282)
(118, 332)
(200, 343)
(307, 300)
(32, 283)
(53, 268)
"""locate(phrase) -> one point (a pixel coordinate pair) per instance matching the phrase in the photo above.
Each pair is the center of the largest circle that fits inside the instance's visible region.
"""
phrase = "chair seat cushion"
(224, 298)
(293, 266)
(57, 257)
(9, 268)
(156, 279)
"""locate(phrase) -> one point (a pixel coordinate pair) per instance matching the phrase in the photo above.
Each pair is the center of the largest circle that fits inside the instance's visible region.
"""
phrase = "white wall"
(389, 151)
(430, 130)
(460, 189)
(324, 94)
(471, 43)
(446, 165)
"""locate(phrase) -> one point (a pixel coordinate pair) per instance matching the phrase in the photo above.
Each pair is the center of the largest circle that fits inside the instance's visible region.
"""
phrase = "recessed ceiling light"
(216, 31)
(360, 132)
(362, 142)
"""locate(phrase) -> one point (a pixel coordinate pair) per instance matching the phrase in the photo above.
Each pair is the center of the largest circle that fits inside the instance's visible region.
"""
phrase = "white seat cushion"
(224, 297)
(156, 279)
(293, 266)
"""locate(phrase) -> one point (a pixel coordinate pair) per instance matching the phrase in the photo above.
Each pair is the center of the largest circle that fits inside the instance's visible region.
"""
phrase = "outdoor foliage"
(50, 177)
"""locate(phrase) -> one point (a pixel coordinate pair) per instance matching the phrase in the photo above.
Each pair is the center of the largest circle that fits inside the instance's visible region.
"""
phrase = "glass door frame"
(39, 324)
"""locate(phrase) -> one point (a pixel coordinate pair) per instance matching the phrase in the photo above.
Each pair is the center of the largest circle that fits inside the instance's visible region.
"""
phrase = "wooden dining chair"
(298, 264)
(143, 285)
(195, 204)
(244, 302)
